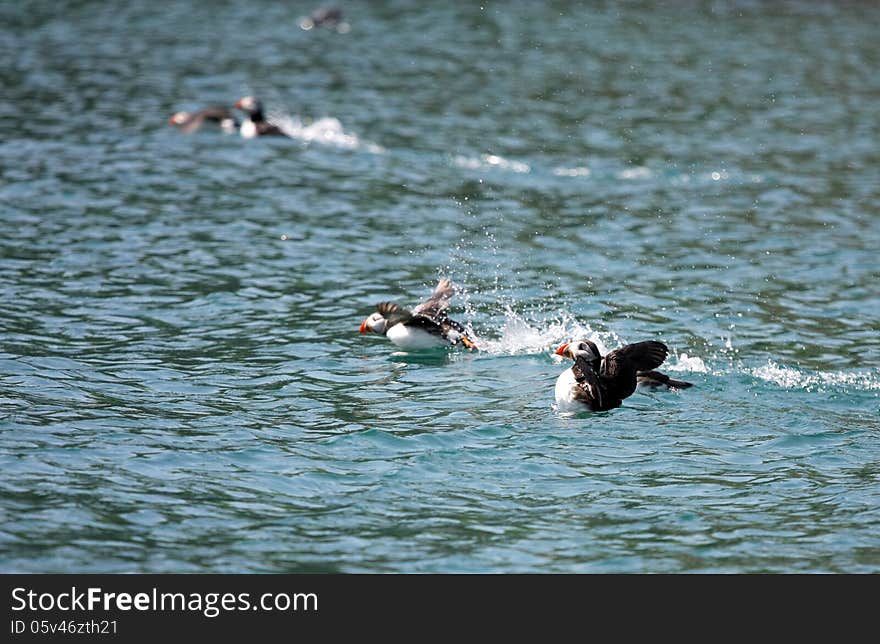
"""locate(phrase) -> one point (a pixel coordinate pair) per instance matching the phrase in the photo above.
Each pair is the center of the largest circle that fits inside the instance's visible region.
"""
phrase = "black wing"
(428, 325)
(217, 113)
(641, 356)
(434, 308)
(265, 128)
(394, 313)
(588, 382)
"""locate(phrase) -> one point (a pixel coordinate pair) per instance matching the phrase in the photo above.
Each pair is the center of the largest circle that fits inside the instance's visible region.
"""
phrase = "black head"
(252, 107)
(580, 349)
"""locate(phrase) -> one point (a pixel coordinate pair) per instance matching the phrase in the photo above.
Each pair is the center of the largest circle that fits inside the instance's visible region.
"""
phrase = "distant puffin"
(329, 17)
(601, 383)
(426, 326)
(255, 124)
(191, 121)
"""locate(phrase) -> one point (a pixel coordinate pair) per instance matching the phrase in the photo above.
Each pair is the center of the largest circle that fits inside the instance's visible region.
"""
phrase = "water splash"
(326, 131)
(790, 378)
(684, 362)
(520, 337)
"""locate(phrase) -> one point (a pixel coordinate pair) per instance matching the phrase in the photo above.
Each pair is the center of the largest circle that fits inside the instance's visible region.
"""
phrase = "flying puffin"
(188, 122)
(255, 124)
(600, 383)
(426, 326)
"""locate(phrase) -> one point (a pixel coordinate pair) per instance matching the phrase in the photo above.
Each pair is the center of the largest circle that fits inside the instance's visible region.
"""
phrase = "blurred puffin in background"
(326, 17)
(255, 124)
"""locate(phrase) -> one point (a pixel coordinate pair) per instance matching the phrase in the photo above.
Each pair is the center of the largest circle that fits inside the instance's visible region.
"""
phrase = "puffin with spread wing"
(427, 325)
(600, 383)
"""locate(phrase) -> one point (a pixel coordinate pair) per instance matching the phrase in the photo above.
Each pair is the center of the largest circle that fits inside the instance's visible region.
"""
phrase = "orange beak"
(171, 120)
(237, 104)
(364, 328)
(561, 350)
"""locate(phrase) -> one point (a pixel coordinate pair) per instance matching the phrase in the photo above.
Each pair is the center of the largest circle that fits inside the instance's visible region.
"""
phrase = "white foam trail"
(789, 378)
(580, 171)
(327, 131)
(639, 172)
(491, 161)
(519, 336)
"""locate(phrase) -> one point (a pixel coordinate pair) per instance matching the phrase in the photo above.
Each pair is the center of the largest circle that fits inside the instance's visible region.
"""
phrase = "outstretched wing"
(434, 308)
(215, 113)
(641, 356)
(393, 313)
(194, 123)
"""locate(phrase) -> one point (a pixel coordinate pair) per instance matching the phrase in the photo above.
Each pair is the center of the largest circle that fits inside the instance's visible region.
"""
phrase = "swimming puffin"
(191, 121)
(600, 383)
(426, 326)
(329, 17)
(255, 124)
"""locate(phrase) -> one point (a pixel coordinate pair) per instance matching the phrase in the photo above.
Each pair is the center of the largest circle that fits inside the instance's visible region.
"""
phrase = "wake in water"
(785, 377)
(542, 333)
(326, 131)
(521, 337)
(491, 161)
(790, 378)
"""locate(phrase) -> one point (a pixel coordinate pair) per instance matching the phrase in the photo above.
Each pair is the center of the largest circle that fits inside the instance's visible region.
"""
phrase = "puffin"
(329, 17)
(255, 124)
(188, 122)
(424, 327)
(599, 383)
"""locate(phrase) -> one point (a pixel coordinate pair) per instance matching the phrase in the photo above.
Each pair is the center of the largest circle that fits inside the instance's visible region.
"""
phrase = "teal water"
(182, 384)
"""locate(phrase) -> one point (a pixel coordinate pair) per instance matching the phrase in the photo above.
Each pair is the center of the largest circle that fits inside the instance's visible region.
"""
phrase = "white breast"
(565, 399)
(248, 129)
(413, 338)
